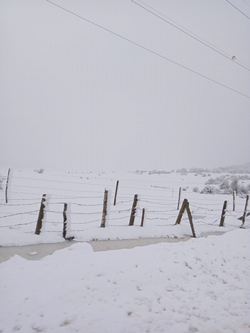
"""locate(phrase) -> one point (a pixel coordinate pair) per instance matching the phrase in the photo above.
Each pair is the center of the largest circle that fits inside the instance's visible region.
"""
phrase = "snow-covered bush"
(196, 190)
(242, 189)
(210, 190)
(225, 186)
(217, 180)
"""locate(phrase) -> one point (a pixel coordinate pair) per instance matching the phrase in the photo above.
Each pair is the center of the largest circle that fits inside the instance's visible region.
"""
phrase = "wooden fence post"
(190, 219)
(223, 213)
(104, 212)
(133, 211)
(65, 220)
(6, 187)
(116, 189)
(142, 218)
(183, 207)
(179, 199)
(40, 216)
(233, 201)
(245, 212)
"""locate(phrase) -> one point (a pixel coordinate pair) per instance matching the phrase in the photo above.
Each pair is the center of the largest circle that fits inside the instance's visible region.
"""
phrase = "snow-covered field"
(201, 285)
(84, 192)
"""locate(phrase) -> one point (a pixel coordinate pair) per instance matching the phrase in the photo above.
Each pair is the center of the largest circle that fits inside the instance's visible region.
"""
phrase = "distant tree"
(235, 184)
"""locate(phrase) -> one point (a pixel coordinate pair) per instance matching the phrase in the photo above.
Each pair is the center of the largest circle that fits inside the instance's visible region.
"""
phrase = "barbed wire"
(15, 225)
(120, 211)
(27, 204)
(24, 213)
(160, 218)
(56, 189)
(86, 222)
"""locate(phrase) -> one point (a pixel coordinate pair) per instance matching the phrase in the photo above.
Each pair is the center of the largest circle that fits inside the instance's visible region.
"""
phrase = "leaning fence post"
(190, 219)
(104, 212)
(223, 213)
(245, 211)
(40, 216)
(116, 189)
(179, 199)
(133, 211)
(183, 207)
(142, 218)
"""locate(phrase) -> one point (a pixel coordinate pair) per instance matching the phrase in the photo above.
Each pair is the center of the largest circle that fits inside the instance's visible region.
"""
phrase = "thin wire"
(149, 50)
(33, 211)
(15, 225)
(237, 9)
(197, 39)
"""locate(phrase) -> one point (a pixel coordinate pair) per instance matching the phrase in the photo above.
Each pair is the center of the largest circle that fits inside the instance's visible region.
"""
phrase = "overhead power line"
(149, 50)
(191, 34)
(238, 9)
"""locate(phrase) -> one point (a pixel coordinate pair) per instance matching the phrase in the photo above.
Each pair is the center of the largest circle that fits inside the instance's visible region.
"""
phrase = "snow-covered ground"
(201, 285)
(84, 192)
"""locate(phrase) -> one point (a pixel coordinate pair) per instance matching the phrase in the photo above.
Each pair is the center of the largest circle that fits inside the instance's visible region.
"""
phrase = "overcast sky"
(76, 97)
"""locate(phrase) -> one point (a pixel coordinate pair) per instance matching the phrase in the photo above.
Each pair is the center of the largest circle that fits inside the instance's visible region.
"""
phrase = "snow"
(84, 192)
(201, 285)
(197, 285)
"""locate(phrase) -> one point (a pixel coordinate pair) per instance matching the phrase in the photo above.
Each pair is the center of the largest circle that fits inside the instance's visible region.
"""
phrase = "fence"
(89, 209)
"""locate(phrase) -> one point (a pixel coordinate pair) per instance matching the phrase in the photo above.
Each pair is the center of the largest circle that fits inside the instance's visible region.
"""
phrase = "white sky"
(75, 97)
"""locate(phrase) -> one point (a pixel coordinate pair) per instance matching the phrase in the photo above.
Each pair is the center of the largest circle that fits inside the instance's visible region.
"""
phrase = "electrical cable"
(149, 50)
(197, 38)
(237, 9)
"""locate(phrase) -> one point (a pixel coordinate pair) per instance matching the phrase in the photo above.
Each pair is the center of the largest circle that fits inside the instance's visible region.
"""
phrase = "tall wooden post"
(179, 199)
(6, 187)
(245, 211)
(223, 213)
(105, 209)
(40, 216)
(143, 215)
(190, 219)
(65, 220)
(133, 211)
(116, 189)
(183, 207)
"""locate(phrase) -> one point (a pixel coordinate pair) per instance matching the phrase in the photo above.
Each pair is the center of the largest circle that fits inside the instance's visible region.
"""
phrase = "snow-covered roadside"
(201, 285)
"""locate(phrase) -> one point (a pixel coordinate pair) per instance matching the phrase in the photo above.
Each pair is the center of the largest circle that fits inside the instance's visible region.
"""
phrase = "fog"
(77, 97)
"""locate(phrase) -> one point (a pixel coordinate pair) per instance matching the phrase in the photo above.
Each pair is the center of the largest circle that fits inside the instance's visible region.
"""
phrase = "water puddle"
(38, 251)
